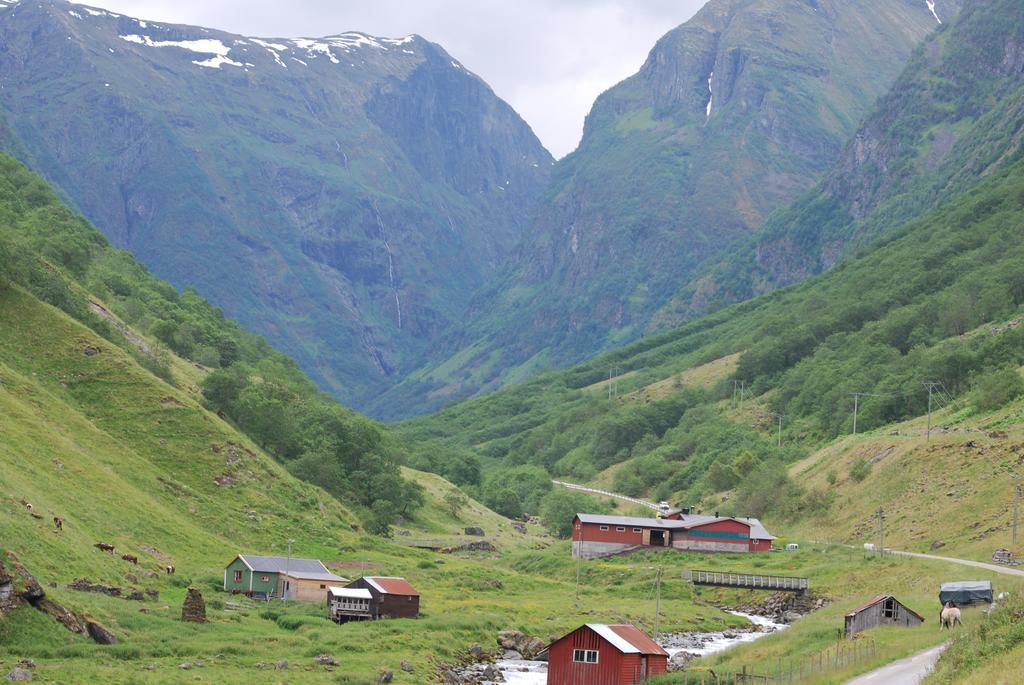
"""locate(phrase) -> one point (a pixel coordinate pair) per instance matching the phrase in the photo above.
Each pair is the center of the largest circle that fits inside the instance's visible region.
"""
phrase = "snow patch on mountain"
(4, 4)
(206, 46)
(711, 94)
(931, 6)
(314, 47)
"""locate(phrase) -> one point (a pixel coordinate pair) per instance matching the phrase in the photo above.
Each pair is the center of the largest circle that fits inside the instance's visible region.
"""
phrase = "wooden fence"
(787, 672)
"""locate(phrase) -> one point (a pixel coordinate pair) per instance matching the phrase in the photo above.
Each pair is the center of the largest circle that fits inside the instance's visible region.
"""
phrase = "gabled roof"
(757, 529)
(325, 577)
(627, 638)
(350, 592)
(294, 565)
(391, 585)
(881, 598)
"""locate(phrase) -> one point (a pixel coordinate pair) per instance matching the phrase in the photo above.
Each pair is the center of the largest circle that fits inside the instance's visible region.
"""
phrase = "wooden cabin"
(303, 580)
(598, 654)
(349, 604)
(884, 610)
(596, 535)
(390, 597)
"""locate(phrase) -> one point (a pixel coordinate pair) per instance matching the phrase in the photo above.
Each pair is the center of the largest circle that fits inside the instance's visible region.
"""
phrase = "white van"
(792, 547)
(869, 546)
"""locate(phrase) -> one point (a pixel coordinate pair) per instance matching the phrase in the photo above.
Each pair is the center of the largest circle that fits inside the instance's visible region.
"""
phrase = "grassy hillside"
(939, 301)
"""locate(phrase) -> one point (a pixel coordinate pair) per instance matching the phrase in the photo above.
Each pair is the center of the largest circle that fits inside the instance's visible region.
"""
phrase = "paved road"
(909, 671)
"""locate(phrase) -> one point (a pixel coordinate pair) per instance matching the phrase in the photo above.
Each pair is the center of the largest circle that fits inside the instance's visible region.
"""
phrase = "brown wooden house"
(390, 597)
(884, 610)
(598, 654)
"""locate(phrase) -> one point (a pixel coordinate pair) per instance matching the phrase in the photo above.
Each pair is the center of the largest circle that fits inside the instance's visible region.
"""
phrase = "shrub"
(860, 469)
(997, 388)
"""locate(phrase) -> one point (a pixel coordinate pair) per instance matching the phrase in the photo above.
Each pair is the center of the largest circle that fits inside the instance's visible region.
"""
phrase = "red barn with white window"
(598, 654)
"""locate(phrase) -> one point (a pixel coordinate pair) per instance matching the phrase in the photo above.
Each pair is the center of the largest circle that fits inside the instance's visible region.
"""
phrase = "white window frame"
(583, 656)
(638, 530)
(236, 576)
(620, 529)
(604, 529)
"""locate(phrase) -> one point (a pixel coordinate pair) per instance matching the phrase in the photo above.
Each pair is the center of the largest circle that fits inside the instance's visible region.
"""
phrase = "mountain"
(341, 196)
(954, 117)
(734, 114)
(926, 316)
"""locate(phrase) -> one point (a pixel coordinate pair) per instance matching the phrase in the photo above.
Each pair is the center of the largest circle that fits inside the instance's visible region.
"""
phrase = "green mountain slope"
(939, 300)
(341, 196)
(953, 118)
(735, 114)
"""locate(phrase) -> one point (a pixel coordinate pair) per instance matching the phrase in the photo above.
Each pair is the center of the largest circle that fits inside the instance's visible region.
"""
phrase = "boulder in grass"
(20, 675)
(100, 633)
(386, 676)
(193, 610)
(474, 530)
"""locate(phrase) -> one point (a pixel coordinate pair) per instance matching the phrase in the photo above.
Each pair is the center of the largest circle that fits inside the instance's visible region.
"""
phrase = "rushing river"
(518, 672)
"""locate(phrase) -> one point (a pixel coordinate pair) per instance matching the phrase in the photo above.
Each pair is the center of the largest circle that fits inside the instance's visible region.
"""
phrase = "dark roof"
(972, 585)
(879, 599)
(390, 585)
(757, 529)
(279, 564)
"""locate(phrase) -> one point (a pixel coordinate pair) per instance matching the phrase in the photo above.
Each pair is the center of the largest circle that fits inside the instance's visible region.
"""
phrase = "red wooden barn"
(598, 654)
(597, 535)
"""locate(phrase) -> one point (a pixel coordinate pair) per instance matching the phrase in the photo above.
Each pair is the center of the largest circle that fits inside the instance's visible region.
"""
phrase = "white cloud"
(548, 58)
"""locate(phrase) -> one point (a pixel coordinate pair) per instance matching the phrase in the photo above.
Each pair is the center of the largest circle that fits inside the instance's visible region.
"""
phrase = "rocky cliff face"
(953, 117)
(342, 196)
(734, 114)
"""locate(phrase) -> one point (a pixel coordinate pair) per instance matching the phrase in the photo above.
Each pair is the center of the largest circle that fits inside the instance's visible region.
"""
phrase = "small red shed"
(598, 654)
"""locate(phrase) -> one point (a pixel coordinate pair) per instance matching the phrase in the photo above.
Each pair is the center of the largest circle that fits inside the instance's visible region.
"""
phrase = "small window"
(264, 579)
(604, 527)
(620, 529)
(584, 656)
(238, 576)
(323, 587)
(638, 530)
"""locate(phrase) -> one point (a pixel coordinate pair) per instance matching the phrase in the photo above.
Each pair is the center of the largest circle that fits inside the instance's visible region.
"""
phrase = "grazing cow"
(949, 617)
(58, 522)
(131, 557)
(104, 547)
(170, 570)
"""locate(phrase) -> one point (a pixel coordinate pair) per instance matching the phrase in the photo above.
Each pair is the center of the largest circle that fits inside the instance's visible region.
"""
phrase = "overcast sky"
(548, 58)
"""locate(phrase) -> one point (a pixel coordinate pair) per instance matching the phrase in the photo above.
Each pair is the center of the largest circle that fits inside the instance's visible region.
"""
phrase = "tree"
(455, 501)
(379, 520)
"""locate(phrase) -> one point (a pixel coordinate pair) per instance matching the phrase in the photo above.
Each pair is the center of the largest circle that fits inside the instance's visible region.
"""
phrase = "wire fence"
(786, 671)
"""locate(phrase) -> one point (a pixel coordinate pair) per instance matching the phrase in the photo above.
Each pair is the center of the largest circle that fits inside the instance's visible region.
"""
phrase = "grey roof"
(977, 585)
(757, 529)
(306, 575)
(631, 521)
(279, 564)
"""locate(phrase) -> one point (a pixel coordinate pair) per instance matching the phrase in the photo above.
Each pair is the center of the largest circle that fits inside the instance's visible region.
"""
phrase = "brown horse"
(104, 547)
(131, 557)
(949, 616)
(170, 570)
(58, 522)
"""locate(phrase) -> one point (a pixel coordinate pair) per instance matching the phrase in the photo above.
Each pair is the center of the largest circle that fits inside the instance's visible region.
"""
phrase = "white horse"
(950, 616)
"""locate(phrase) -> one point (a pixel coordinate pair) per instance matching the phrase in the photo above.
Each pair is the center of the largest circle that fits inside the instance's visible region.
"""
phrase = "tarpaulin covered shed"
(966, 592)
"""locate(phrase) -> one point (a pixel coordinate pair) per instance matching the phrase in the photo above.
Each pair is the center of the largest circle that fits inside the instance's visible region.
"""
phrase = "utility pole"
(931, 385)
(780, 417)
(657, 604)
(1018, 493)
(287, 568)
(856, 405)
(881, 529)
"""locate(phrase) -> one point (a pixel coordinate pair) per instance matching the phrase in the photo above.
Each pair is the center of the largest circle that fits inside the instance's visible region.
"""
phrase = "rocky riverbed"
(681, 646)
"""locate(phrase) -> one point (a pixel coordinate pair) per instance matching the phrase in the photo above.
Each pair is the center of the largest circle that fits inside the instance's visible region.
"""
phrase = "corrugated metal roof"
(627, 638)
(757, 529)
(631, 521)
(881, 598)
(328, 577)
(279, 564)
(350, 592)
(391, 585)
